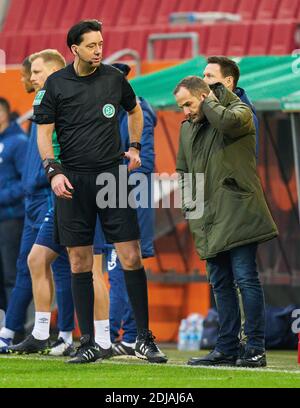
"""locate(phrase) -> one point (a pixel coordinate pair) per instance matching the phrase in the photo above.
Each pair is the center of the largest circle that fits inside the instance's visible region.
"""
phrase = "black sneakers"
(146, 349)
(214, 358)
(105, 353)
(86, 352)
(120, 349)
(30, 345)
(252, 358)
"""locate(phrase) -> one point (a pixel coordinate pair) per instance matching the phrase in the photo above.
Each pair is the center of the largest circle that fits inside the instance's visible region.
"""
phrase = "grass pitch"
(35, 371)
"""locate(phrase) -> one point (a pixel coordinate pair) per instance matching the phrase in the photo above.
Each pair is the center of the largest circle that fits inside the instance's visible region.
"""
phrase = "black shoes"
(120, 349)
(30, 345)
(214, 358)
(146, 349)
(86, 352)
(105, 353)
(249, 358)
(252, 358)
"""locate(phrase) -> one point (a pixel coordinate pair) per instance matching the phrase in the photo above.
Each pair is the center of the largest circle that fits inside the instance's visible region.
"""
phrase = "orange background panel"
(12, 89)
(168, 304)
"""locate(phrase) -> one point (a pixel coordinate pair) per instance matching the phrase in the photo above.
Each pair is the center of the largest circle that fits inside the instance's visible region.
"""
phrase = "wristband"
(136, 145)
(52, 168)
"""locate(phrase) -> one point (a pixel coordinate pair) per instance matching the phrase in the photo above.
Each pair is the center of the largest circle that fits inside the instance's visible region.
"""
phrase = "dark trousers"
(238, 266)
(10, 238)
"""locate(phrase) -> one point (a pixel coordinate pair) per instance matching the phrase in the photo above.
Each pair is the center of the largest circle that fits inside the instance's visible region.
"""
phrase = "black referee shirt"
(85, 113)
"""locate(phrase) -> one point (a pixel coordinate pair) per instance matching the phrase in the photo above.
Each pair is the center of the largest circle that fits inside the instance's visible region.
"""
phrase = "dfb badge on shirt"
(109, 110)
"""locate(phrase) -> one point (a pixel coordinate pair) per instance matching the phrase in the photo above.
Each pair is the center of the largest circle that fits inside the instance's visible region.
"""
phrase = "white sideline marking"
(116, 362)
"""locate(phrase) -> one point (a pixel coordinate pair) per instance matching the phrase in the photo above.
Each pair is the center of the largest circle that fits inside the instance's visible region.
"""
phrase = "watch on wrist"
(136, 145)
(47, 162)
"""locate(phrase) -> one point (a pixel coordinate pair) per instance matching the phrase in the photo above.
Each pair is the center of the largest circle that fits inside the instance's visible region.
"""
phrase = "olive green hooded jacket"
(222, 147)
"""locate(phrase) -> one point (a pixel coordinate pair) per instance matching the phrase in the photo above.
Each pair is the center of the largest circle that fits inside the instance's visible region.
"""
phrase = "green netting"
(272, 82)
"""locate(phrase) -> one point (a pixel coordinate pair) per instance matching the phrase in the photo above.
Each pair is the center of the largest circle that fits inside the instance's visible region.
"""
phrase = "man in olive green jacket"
(218, 141)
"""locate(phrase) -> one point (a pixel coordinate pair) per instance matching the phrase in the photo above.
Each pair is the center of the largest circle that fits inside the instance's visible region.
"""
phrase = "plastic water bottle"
(193, 337)
(195, 329)
(183, 336)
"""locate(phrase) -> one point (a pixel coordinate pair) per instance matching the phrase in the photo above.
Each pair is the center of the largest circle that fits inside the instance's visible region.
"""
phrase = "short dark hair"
(194, 84)
(228, 67)
(5, 104)
(85, 26)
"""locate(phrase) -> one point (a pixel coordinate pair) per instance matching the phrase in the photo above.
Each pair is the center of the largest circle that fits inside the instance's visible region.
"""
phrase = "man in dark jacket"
(218, 141)
(226, 71)
(13, 146)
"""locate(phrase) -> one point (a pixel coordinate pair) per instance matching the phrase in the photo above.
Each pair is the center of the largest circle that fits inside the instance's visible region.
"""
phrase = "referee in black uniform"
(81, 102)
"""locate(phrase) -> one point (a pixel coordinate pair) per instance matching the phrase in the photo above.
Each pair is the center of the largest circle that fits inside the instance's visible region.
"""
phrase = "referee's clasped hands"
(133, 155)
(62, 187)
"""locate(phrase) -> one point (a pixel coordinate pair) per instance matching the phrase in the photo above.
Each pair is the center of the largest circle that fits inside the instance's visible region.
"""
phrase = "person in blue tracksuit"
(38, 201)
(121, 315)
(13, 146)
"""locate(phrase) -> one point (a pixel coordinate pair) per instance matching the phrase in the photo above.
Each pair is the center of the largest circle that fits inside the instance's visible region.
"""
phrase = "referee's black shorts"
(75, 219)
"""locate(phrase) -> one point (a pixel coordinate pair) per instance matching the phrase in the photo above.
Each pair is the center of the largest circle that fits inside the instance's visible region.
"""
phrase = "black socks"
(83, 297)
(136, 284)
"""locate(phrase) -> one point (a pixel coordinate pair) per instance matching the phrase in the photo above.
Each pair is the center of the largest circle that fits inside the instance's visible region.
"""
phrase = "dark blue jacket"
(13, 147)
(147, 140)
(147, 155)
(34, 178)
(38, 195)
(241, 93)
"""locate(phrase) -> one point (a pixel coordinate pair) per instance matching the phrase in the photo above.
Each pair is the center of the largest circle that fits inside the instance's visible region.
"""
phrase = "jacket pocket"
(236, 187)
(233, 218)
